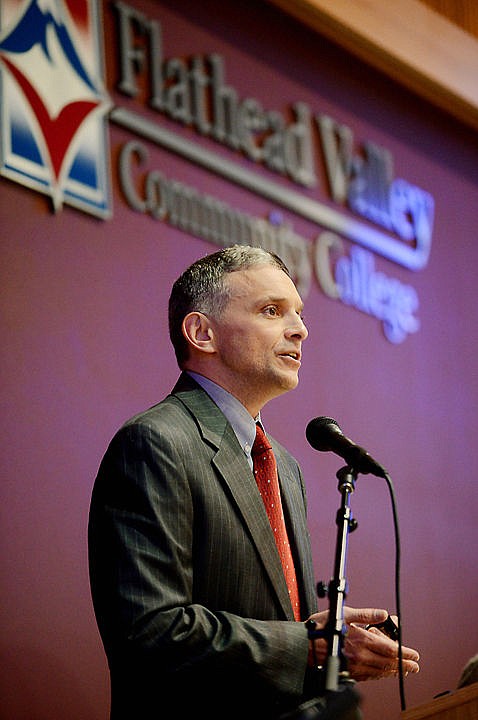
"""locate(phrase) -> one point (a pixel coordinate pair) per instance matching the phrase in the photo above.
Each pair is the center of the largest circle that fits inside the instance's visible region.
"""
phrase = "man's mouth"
(293, 354)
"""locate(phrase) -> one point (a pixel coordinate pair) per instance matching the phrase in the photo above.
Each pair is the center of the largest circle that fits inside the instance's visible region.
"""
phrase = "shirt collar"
(242, 423)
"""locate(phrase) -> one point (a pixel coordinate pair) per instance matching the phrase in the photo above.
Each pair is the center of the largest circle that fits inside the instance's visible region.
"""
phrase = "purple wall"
(85, 345)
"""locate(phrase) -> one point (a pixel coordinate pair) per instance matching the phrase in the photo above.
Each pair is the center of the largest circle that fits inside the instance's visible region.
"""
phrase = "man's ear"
(198, 332)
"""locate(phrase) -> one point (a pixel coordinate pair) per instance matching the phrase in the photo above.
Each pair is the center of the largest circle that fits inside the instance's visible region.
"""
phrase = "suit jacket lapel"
(238, 476)
(236, 473)
(293, 505)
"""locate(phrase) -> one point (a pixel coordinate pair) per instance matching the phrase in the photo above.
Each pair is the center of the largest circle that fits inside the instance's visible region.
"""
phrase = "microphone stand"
(336, 665)
(337, 698)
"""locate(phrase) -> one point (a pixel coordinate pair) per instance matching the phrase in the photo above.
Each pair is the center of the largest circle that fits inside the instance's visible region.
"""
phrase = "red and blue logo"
(53, 130)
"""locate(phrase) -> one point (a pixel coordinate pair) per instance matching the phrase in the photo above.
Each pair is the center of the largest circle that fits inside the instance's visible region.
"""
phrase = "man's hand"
(370, 654)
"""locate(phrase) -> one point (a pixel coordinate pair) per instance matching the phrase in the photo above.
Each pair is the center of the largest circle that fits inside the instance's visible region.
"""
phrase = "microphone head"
(325, 434)
(321, 431)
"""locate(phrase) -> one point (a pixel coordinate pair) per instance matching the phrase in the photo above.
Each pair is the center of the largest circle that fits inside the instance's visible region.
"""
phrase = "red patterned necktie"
(265, 471)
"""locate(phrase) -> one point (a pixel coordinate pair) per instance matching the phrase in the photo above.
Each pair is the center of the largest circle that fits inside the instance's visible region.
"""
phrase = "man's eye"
(271, 310)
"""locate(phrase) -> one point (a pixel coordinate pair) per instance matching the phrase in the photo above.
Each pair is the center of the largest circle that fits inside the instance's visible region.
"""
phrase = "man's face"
(258, 337)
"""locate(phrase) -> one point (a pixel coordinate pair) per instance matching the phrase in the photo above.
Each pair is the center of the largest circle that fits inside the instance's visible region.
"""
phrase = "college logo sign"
(54, 120)
(53, 102)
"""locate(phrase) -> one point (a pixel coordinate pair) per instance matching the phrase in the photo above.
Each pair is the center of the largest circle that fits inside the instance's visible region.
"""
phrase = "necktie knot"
(261, 443)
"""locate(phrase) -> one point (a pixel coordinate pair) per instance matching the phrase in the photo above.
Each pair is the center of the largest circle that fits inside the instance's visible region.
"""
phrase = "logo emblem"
(53, 102)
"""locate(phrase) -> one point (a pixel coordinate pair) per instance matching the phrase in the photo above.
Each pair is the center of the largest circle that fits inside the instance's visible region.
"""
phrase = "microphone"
(325, 434)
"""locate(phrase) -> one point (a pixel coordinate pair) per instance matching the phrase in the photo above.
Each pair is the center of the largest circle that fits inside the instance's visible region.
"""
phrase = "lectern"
(461, 704)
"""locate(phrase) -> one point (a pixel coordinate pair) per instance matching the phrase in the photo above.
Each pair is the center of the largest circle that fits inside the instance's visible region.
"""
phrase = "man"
(188, 587)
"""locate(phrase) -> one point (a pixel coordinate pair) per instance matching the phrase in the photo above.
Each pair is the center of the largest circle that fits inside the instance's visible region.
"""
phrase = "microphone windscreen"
(320, 431)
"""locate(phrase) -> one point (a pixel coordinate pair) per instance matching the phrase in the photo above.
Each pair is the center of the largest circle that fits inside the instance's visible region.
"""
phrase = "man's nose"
(298, 329)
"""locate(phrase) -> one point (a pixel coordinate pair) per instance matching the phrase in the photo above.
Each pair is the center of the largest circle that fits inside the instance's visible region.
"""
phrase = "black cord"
(388, 480)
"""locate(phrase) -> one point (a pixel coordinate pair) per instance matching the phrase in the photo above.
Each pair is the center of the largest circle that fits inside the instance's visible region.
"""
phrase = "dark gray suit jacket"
(187, 584)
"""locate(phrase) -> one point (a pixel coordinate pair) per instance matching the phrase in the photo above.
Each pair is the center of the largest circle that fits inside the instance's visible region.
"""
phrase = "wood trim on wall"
(406, 40)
